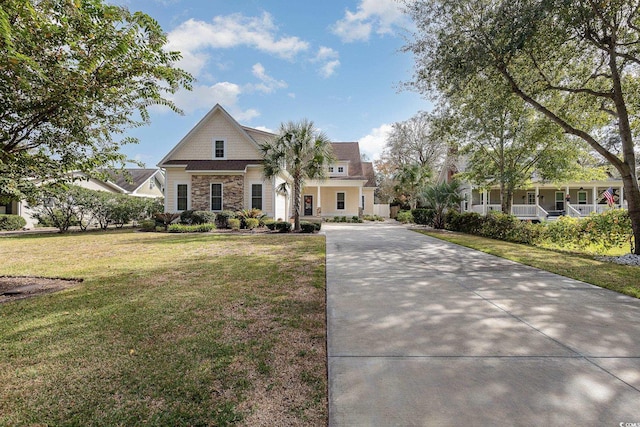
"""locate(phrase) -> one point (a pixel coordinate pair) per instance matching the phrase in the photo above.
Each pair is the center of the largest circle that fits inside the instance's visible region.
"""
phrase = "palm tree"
(441, 197)
(412, 180)
(303, 152)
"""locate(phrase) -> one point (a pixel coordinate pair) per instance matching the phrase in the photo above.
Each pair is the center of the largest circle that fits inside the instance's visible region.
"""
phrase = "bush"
(203, 217)
(251, 223)
(233, 223)
(307, 227)
(270, 224)
(423, 216)
(283, 226)
(193, 228)
(404, 217)
(148, 225)
(222, 219)
(466, 222)
(11, 222)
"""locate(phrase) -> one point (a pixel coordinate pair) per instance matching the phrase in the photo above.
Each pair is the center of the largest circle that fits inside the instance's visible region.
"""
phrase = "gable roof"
(349, 152)
(216, 109)
(369, 174)
(131, 179)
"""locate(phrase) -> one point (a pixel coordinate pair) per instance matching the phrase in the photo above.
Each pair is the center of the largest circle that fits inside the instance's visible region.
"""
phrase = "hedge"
(11, 222)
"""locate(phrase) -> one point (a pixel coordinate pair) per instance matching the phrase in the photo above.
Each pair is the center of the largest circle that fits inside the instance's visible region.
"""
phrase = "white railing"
(541, 212)
(480, 208)
(584, 210)
(573, 212)
(524, 210)
(604, 208)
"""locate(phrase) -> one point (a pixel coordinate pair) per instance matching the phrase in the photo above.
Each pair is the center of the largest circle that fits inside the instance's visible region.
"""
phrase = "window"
(531, 198)
(362, 202)
(582, 197)
(218, 149)
(340, 201)
(340, 169)
(256, 196)
(152, 184)
(181, 201)
(216, 197)
(330, 169)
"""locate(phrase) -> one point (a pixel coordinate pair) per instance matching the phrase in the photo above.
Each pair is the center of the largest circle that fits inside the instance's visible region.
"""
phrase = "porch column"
(621, 196)
(595, 199)
(319, 202)
(484, 202)
(537, 198)
(360, 199)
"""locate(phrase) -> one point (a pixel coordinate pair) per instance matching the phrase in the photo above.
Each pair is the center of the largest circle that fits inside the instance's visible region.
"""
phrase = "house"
(218, 166)
(134, 182)
(543, 201)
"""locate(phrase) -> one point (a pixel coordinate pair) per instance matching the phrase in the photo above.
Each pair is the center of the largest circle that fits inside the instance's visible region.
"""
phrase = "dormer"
(340, 168)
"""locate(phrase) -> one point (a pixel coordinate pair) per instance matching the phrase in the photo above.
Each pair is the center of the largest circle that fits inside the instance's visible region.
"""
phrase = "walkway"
(426, 333)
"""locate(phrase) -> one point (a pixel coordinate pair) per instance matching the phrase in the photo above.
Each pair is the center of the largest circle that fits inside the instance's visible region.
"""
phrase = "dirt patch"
(15, 288)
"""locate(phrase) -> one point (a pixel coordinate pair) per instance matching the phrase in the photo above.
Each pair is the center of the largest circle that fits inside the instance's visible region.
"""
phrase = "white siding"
(173, 177)
(199, 146)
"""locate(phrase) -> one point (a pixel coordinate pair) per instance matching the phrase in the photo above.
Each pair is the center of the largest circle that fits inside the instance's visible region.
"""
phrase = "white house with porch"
(544, 201)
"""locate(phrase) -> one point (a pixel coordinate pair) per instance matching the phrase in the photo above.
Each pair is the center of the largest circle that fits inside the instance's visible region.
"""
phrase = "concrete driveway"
(426, 333)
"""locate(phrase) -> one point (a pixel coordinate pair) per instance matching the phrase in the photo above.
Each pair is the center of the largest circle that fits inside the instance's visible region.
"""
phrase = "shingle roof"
(131, 179)
(369, 173)
(349, 151)
(214, 165)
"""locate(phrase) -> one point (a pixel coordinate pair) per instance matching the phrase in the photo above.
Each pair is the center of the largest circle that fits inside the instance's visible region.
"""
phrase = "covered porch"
(547, 201)
(335, 198)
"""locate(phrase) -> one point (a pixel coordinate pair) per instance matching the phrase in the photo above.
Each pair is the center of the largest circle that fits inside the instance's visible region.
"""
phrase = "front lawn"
(165, 330)
(620, 278)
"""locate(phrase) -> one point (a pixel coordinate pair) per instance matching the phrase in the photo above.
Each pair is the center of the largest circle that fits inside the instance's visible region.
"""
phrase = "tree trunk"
(632, 195)
(296, 202)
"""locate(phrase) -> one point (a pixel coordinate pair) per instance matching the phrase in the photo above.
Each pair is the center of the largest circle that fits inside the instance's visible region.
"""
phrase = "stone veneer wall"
(232, 191)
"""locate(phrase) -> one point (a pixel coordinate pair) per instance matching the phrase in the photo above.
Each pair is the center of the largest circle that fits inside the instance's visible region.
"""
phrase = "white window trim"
(531, 200)
(586, 197)
(221, 197)
(175, 201)
(344, 200)
(224, 149)
(251, 184)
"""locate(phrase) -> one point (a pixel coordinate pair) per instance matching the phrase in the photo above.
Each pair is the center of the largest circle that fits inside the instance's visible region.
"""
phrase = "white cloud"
(379, 16)
(329, 58)
(329, 68)
(269, 84)
(194, 37)
(264, 129)
(373, 143)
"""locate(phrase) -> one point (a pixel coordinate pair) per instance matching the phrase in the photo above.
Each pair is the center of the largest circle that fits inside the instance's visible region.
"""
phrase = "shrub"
(186, 217)
(270, 224)
(193, 228)
(372, 218)
(251, 223)
(148, 225)
(307, 227)
(283, 226)
(423, 216)
(166, 218)
(466, 222)
(203, 217)
(11, 222)
(404, 217)
(233, 223)
(222, 219)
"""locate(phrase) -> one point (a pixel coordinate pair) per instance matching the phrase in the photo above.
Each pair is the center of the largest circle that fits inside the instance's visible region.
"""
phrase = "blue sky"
(337, 63)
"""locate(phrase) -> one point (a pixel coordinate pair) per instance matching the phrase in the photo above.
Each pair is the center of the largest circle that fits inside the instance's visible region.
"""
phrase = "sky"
(336, 63)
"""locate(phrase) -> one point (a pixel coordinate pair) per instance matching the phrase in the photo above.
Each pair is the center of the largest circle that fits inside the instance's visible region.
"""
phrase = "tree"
(441, 198)
(410, 181)
(505, 140)
(574, 61)
(73, 75)
(301, 152)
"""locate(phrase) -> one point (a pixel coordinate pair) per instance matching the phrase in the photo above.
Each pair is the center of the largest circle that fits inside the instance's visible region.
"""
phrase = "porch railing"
(524, 210)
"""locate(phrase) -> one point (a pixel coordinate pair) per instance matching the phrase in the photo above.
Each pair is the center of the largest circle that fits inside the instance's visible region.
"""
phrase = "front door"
(308, 205)
(559, 200)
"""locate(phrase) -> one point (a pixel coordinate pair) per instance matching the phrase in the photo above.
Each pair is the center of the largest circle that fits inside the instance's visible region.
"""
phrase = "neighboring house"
(218, 166)
(542, 201)
(134, 182)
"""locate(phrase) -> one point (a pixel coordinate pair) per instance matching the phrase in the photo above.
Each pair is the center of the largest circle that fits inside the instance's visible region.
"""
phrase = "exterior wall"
(281, 202)
(200, 143)
(254, 176)
(145, 191)
(173, 177)
(232, 191)
(368, 194)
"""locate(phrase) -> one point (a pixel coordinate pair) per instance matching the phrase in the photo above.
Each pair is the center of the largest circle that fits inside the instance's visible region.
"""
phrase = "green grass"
(165, 330)
(620, 278)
